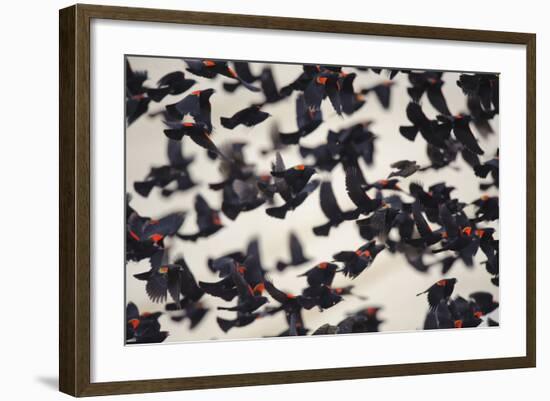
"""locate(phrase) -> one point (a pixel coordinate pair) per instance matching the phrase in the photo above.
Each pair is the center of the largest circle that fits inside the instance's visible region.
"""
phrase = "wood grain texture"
(74, 198)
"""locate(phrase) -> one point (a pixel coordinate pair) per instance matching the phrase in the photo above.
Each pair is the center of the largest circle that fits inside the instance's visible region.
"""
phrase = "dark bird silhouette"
(321, 274)
(166, 278)
(139, 96)
(429, 82)
(176, 82)
(354, 188)
(211, 68)
(197, 105)
(440, 291)
(145, 236)
(297, 256)
(355, 262)
(308, 119)
(248, 117)
(143, 328)
(176, 171)
(248, 299)
(208, 221)
(433, 132)
(331, 210)
(485, 301)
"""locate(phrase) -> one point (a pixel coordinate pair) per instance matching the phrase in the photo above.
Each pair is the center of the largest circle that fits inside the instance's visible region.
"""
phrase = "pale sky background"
(390, 282)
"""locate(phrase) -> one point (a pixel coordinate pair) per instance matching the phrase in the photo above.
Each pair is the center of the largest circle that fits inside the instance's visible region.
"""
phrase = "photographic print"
(267, 199)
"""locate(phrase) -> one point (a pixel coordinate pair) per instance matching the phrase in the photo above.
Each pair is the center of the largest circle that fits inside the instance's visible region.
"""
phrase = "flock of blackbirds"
(414, 221)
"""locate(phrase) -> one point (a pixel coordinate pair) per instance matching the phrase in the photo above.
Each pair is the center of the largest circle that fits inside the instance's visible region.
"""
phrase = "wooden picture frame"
(75, 207)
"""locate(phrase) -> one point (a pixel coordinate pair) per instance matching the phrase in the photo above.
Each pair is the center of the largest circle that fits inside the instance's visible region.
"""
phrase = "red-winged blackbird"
(293, 202)
(355, 262)
(457, 314)
(138, 96)
(484, 87)
(176, 82)
(248, 117)
(363, 321)
(433, 132)
(197, 105)
(428, 82)
(297, 256)
(248, 298)
(224, 288)
(240, 196)
(308, 119)
(269, 88)
(242, 69)
(176, 170)
(331, 210)
(405, 168)
(290, 304)
(166, 278)
(211, 68)
(242, 320)
(208, 221)
(351, 101)
(487, 208)
(460, 125)
(354, 188)
(392, 184)
(379, 223)
(485, 301)
(194, 312)
(427, 235)
(440, 291)
(145, 236)
(323, 296)
(324, 84)
(321, 274)
(143, 328)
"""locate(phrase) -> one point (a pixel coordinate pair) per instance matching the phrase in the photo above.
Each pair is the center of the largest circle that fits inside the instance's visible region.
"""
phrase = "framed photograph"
(250, 200)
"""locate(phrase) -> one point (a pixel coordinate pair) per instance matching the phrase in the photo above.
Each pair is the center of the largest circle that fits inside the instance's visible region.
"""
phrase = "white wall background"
(29, 158)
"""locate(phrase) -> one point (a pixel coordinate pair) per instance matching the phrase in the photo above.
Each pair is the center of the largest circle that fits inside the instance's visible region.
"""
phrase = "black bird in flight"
(485, 301)
(297, 256)
(139, 96)
(440, 291)
(208, 221)
(321, 274)
(242, 69)
(143, 328)
(331, 210)
(248, 299)
(308, 119)
(166, 278)
(177, 170)
(355, 262)
(404, 168)
(248, 117)
(176, 82)
(354, 188)
(211, 68)
(197, 105)
(428, 82)
(460, 125)
(433, 132)
(145, 236)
